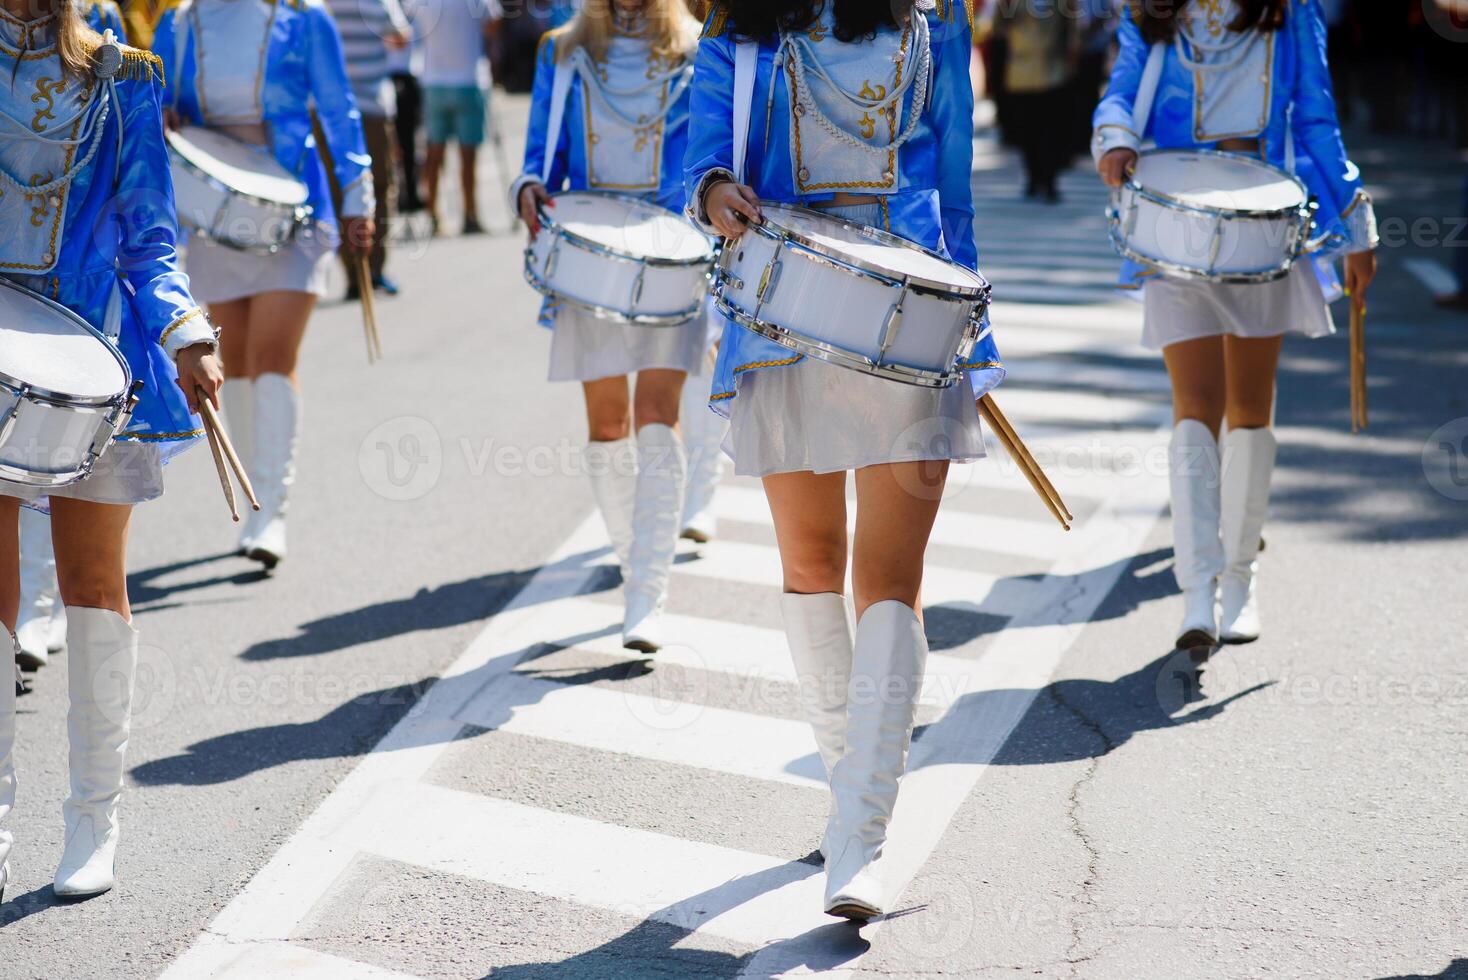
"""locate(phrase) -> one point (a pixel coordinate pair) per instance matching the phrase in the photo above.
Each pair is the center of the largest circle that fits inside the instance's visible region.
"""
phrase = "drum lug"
(551, 258)
(890, 327)
(768, 281)
(1216, 246)
(637, 289)
(7, 419)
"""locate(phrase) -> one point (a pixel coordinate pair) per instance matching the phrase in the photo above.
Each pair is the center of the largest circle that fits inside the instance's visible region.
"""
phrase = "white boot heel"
(101, 665)
(821, 637)
(662, 472)
(1248, 470)
(1197, 547)
(890, 658)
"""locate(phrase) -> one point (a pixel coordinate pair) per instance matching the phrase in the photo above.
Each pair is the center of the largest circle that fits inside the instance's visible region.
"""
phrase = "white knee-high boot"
(703, 433)
(277, 437)
(1197, 547)
(1248, 469)
(821, 637)
(612, 469)
(41, 626)
(662, 473)
(237, 395)
(7, 752)
(890, 658)
(101, 664)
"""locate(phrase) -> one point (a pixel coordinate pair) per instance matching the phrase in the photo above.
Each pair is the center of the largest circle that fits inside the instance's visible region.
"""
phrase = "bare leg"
(469, 181)
(896, 507)
(659, 395)
(1250, 367)
(9, 567)
(432, 171)
(91, 553)
(809, 511)
(233, 321)
(276, 328)
(1196, 368)
(607, 409)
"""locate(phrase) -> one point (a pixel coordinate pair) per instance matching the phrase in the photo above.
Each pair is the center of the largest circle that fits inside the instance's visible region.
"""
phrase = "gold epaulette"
(141, 66)
(717, 21)
(948, 9)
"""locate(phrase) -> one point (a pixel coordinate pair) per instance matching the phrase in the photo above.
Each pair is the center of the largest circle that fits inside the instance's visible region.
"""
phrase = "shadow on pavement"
(456, 604)
(1456, 970)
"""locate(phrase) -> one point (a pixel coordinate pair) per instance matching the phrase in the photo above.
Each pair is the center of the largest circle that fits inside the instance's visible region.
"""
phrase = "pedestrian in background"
(1041, 42)
(404, 65)
(456, 35)
(370, 31)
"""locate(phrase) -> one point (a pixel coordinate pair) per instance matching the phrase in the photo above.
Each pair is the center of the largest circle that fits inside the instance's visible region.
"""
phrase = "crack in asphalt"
(1078, 830)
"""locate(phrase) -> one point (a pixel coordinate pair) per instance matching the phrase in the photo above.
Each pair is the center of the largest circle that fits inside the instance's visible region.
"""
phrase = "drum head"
(248, 169)
(43, 347)
(639, 229)
(1218, 182)
(882, 253)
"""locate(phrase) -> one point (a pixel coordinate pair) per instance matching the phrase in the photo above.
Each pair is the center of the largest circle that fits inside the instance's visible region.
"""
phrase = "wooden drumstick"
(1359, 417)
(999, 420)
(219, 467)
(214, 426)
(369, 309)
(986, 408)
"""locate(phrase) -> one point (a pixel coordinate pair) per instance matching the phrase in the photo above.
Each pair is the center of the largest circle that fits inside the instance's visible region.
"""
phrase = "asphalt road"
(415, 750)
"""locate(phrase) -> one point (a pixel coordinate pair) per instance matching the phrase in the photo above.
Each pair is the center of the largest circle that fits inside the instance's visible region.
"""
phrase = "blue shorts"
(455, 114)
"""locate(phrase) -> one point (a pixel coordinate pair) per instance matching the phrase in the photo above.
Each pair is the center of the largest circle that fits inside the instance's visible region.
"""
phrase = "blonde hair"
(671, 29)
(76, 42)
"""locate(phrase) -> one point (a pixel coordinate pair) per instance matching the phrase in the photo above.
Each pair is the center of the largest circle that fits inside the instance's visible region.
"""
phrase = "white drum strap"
(1147, 91)
(560, 93)
(746, 64)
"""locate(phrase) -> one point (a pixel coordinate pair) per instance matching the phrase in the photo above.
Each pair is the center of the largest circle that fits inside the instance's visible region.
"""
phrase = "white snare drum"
(1218, 217)
(234, 193)
(65, 392)
(853, 296)
(620, 258)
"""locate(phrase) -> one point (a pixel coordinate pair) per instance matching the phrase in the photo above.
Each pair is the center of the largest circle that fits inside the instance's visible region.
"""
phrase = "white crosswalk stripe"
(1096, 424)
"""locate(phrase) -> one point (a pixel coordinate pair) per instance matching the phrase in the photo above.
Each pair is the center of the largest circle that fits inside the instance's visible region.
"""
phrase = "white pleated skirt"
(584, 348)
(1178, 310)
(128, 473)
(220, 274)
(820, 418)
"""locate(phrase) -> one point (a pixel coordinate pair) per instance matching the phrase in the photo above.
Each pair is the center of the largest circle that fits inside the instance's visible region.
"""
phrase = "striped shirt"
(364, 24)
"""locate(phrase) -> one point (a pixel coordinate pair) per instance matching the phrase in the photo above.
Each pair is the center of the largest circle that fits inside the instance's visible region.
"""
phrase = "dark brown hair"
(1158, 19)
(763, 19)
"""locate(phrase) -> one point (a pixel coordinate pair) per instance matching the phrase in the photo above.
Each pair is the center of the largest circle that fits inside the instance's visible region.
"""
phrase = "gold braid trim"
(141, 66)
(718, 21)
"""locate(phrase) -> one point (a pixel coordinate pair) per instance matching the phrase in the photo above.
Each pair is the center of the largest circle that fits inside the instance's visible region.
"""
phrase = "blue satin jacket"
(932, 205)
(569, 171)
(304, 70)
(1302, 132)
(116, 233)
